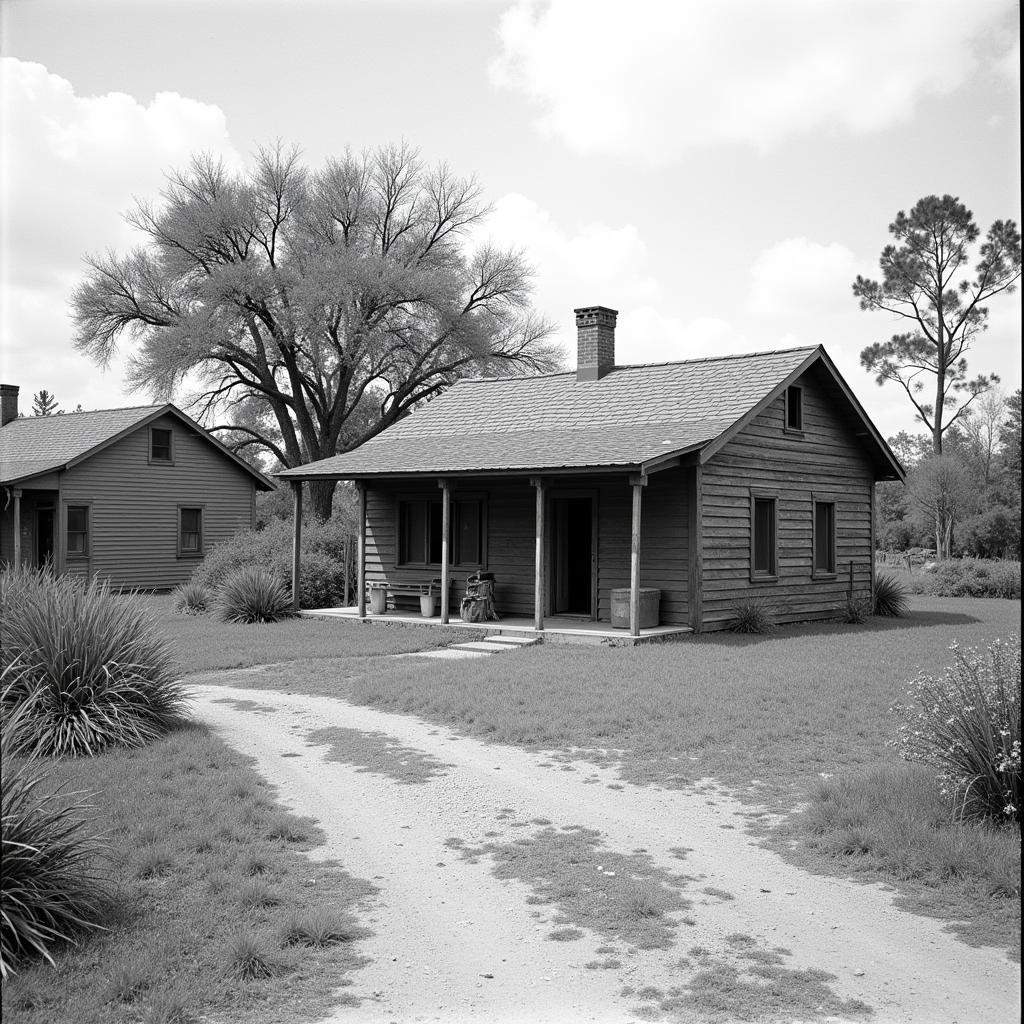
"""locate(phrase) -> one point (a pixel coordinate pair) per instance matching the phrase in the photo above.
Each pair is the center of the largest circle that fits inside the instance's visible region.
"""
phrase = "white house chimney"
(595, 341)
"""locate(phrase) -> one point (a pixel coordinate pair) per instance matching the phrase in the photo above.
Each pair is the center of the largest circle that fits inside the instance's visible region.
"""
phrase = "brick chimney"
(8, 403)
(595, 341)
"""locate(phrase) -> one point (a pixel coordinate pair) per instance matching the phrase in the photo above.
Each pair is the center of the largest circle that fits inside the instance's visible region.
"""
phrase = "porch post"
(361, 551)
(296, 541)
(638, 483)
(17, 527)
(538, 583)
(446, 503)
(695, 569)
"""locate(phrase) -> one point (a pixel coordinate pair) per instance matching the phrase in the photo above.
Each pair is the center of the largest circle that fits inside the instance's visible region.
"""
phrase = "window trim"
(478, 497)
(162, 462)
(201, 509)
(760, 494)
(797, 391)
(84, 555)
(816, 573)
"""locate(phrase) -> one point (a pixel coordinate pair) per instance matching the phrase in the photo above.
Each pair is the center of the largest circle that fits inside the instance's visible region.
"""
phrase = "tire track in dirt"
(453, 943)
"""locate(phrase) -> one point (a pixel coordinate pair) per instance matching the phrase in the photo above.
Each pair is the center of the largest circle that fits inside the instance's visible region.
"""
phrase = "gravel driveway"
(451, 942)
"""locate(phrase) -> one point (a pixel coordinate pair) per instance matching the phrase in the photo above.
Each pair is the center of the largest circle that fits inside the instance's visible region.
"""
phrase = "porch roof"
(631, 418)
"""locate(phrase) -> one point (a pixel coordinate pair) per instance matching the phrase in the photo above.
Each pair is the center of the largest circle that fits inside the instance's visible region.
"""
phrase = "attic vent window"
(160, 445)
(794, 408)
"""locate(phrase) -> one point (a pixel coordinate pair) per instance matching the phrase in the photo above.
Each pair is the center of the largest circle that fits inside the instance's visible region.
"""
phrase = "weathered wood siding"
(509, 547)
(826, 462)
(133, 517)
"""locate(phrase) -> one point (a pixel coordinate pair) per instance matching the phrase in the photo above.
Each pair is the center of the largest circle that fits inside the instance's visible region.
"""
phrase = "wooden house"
(135, 496)
(710, 480)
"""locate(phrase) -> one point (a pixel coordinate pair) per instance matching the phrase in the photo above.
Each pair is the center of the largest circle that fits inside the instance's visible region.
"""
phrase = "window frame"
(169, 461)
(797, 392)
(188, 553)
(816, 572)
(82, 555)
(760, 575)
(431, 502)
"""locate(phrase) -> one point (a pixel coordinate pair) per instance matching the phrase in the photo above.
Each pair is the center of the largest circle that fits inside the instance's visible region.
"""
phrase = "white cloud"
(649, 80)
(70, 167)
(797, 277)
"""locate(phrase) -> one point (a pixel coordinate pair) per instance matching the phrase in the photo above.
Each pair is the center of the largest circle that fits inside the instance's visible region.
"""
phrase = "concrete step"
(445, 653)
(485, 646)
(511, 641)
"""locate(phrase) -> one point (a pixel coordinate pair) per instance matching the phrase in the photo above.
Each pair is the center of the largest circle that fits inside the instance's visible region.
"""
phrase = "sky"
(719, 171)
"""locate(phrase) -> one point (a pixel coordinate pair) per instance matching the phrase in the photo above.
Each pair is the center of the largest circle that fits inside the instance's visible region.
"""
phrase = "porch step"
(511, 641)
(484, 646)
(445, 654)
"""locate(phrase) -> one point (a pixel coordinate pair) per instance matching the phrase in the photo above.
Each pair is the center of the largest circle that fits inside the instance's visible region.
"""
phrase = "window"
(419, 532)
(794, 408)
(763, 555)
(78, 530)
(160, 445)
(824, 537)
(190, 532)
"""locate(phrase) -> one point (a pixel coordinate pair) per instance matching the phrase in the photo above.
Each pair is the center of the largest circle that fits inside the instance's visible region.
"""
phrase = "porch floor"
(557, 629)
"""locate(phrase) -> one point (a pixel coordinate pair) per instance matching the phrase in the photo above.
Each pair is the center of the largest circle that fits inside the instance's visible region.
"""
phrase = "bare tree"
(944, 312)
(981, 426)
(316, 307)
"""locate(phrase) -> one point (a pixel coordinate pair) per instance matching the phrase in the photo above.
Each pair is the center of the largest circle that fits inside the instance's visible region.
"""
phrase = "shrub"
(751, 616)
(992, 534)
(856, 610)
(253, 595)
(48, 893)
(890, 596)
(967, 725)
(971, 577)
(323, 559)
(88, 666)
(191, 599)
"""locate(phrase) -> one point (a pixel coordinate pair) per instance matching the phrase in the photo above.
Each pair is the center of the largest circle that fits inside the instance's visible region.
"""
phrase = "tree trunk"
(321, 498)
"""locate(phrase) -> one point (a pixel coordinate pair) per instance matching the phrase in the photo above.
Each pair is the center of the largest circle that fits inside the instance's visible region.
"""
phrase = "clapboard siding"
(133, 518)
(826, 462)
(510, 545)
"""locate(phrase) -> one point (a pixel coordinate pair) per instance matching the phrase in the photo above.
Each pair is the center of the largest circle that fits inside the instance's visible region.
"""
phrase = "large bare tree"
(316, 307)
(923, 284)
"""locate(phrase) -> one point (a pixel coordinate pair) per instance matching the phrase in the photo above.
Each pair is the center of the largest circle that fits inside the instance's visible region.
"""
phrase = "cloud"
(70, 166)
(798, 277)
(650, 80)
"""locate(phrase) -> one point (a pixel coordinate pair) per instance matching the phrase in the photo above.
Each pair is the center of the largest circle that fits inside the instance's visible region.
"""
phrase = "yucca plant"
(967, 725)
(890, 596)
(49, 892)
(191, 599)
(253, 595)
(88, 667)
(751, 616)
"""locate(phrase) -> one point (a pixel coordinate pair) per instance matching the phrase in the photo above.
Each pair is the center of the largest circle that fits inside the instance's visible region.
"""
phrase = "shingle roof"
(631, 415)
(31, 445)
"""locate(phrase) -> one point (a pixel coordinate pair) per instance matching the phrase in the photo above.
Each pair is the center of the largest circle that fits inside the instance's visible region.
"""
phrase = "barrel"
(650, 607)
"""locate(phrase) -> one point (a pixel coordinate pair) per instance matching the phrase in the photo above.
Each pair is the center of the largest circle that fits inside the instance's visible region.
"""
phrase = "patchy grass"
(620, 897)
(891, 822)
(199, 892)
(378, 753)
(200, 643)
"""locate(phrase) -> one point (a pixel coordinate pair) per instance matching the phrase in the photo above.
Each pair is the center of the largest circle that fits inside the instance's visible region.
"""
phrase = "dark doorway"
(44, 535)
(572, 553)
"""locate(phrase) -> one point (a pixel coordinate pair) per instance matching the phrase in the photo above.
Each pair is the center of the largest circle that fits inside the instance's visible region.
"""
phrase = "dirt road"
(451, 942)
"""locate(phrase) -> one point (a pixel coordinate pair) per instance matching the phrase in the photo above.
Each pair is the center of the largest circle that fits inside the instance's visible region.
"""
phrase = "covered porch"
(566, 548)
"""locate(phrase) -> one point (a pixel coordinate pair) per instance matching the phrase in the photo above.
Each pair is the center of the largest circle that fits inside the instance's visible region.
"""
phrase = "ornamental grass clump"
(87, 666)
(191, 599)
(751, 616)
(890, 596)
(253, 595)
(49, 893)
(967, 725)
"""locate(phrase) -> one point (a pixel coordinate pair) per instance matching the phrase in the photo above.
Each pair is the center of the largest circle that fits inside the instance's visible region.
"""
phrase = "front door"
(44, 534)
(572, 557)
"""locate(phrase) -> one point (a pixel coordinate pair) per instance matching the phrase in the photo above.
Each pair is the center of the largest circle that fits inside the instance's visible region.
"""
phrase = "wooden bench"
(403, 588)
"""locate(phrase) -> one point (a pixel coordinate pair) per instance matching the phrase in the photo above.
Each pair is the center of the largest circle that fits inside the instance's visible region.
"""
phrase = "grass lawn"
(766, 716)
(213, 911)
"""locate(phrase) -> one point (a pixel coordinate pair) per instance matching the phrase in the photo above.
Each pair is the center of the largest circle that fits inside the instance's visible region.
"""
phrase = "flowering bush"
(967, 725)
